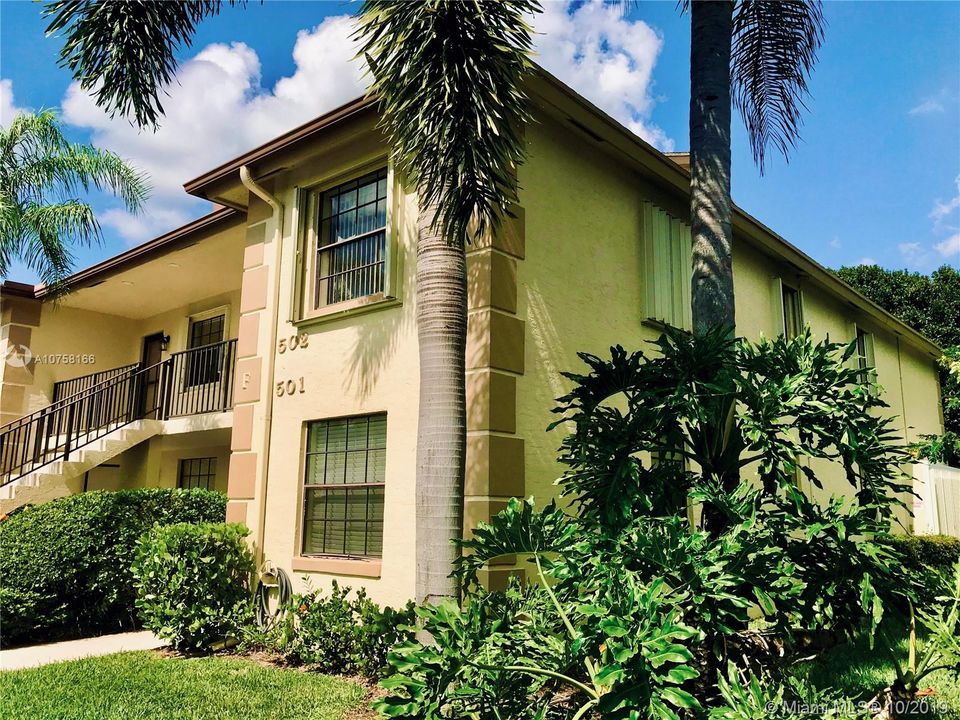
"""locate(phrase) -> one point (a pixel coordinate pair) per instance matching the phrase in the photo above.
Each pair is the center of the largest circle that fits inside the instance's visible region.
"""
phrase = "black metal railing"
(191, 382)
(200, 380)
(73, 386)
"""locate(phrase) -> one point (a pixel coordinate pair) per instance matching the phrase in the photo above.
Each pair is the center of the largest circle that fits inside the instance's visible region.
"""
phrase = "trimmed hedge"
(65, 565)
(922, 552)
(193, 582)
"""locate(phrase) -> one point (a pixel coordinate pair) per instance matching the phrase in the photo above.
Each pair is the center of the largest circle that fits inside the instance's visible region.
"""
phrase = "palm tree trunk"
(710, 206)
(441, 435)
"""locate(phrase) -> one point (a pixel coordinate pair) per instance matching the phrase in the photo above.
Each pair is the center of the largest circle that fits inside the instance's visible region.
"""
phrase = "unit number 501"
(290, 387)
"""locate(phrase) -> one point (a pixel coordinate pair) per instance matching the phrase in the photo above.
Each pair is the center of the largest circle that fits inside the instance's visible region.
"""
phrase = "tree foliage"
(931, 305)
(41, 176)
(450, 78)
(634, 610)
(125, 52)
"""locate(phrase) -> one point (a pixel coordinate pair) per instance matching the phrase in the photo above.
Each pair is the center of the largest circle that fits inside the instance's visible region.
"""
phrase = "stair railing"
(195, 381)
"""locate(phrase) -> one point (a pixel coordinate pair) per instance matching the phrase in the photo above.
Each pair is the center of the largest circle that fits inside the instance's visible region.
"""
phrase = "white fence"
(937, 510)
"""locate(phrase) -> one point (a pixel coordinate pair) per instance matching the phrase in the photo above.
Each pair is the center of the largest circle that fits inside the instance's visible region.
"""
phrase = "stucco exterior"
(571, 271)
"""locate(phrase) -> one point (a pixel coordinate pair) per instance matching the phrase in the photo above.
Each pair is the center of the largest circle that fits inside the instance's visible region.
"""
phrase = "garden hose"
(266, 618)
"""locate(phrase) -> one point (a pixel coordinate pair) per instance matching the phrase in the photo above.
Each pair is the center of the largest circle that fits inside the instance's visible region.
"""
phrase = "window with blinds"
(866, 359)
(787, 304)
(344, 479)
(351, 240)
(669, 267)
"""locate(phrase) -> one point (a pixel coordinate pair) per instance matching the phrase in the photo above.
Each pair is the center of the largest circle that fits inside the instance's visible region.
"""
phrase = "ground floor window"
(197, 473)
(344, 477)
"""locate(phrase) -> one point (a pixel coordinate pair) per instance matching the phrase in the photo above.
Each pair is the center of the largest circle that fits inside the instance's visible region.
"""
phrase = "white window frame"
(668, 265)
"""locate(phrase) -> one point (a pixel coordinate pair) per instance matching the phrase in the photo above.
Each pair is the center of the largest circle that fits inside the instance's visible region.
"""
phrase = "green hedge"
(65, 565)
(193, 582)
(922, 552)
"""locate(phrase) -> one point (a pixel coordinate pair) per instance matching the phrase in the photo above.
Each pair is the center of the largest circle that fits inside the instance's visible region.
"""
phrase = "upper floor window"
(351, 240)
(792, 312)
(865, 356)
(668, 267)
(203, 366)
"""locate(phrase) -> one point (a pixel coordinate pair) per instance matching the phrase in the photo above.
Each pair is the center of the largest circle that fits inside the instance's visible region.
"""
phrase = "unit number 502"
(290, 387)
(294, 342)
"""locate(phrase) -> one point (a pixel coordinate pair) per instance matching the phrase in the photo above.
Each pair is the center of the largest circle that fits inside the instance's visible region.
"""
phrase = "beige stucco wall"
(108, 340)
(156, 461)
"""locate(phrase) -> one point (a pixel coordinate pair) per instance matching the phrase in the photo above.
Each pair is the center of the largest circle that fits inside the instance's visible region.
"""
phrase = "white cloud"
(950, 248)
(866, 261)
(942, 210)
(217, 110)
(835, 243)
(927, 107)
(8, 110)
(607, 58)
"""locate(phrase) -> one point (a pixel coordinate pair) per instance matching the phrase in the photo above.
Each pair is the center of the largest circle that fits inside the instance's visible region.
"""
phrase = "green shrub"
(65, 565)
(340, 635)
(925, 552)
(633, 606)
(193, 582)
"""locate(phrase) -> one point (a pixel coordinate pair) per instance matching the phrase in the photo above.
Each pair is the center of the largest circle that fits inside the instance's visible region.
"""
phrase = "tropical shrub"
(341, 634)
(634, 611)
(193, 582)
(65, 565)
(939, 651)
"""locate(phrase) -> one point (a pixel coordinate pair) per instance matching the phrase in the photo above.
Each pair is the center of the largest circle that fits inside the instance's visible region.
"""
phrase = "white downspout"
(250, 184)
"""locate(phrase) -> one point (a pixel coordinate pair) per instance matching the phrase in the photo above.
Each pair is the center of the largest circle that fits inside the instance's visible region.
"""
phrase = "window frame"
(866, 355)
(668, 267)
(192, 319)
(303, 306)
(301, 550)
(211, 476)
(780, 290)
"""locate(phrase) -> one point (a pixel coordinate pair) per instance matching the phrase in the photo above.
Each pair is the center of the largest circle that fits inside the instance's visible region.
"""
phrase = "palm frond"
(775, 44)
(125, 52)
(41, 174)
(450, 77)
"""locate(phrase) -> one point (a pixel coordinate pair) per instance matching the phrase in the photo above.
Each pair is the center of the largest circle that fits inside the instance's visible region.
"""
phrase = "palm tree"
(40, 174)
(449, 75)
(759, 54)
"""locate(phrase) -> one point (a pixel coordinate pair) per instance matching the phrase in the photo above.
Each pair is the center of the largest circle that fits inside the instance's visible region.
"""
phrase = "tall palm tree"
(448, 73)
(40, 176)
(757, 55)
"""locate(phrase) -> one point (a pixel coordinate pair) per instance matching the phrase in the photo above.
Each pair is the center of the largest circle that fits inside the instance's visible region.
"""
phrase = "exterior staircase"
(44, 455)
(59, 478)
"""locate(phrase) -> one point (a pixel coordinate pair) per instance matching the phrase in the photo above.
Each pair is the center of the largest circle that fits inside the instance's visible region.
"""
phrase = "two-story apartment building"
(269, 349)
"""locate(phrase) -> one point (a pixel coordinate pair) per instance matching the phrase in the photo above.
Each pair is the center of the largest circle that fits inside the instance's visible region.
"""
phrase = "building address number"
(291, 387)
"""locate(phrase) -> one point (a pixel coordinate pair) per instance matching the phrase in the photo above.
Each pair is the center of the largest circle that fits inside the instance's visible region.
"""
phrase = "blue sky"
(875, 178)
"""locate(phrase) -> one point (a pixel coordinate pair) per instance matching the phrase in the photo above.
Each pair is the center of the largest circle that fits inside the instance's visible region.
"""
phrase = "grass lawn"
(147, 686)
(859, 672)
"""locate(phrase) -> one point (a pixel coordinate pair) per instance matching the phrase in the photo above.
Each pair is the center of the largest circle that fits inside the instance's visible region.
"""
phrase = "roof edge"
(117, 262)
(279, 143)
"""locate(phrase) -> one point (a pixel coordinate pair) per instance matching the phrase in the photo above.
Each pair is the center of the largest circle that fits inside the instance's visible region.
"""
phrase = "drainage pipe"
(250, 184)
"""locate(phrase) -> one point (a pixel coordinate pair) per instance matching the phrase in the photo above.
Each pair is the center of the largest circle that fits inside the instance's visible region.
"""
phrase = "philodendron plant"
(632, 610)
(939, 651)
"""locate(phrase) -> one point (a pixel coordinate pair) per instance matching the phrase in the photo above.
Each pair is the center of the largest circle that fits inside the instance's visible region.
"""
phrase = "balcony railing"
(187, 383)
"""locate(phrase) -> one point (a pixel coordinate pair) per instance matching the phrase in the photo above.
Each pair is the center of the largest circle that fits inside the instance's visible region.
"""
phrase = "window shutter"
(776, 304)
(668, 265)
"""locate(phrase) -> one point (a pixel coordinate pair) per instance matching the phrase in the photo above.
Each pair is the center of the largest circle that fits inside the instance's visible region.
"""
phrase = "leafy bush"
(193, 582)
(636, 612)
(65, 565)
(922, 552)
(343, 635)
